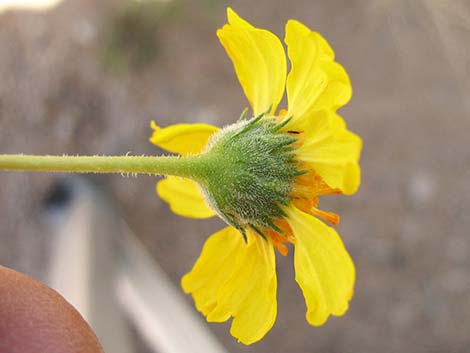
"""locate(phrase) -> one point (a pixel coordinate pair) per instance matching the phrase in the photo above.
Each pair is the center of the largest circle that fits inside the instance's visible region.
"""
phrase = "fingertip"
(35, 318)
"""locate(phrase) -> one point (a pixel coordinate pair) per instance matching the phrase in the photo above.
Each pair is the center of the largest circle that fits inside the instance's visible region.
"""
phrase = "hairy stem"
(178, 166)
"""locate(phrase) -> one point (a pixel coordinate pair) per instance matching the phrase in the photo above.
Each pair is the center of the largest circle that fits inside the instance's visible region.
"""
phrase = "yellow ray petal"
(212, 269)
(323, 267)
(184, 197)
(332, 151)
(235, 279)
(315, 82)
(184, 139)
(259, 60)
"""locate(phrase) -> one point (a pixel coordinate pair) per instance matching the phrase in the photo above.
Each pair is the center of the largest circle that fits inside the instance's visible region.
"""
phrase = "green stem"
(178, 166)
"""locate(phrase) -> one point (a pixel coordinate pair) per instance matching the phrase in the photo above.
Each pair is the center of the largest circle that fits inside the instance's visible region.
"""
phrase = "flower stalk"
(164, 165)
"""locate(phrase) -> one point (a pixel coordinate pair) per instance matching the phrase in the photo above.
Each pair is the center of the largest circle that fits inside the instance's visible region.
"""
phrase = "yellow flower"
(235, 276)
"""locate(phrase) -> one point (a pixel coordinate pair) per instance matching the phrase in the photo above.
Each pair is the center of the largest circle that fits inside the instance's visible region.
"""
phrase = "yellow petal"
(259, 60)
(184, 197)
(332, 151)
(184, 139)
(323, 268)
(315, 82)
(235, 279)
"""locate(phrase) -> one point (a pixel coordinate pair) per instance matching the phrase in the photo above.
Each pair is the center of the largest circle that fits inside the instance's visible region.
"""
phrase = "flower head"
(264, 177)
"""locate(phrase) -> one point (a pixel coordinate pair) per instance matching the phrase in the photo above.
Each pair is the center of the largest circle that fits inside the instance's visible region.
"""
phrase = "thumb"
(34, 318)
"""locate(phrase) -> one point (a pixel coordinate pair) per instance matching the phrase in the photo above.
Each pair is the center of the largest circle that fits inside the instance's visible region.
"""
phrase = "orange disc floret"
(279, 239)
(306, 189)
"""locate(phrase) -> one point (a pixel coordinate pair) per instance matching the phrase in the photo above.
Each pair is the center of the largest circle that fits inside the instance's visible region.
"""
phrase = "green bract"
(249, 171)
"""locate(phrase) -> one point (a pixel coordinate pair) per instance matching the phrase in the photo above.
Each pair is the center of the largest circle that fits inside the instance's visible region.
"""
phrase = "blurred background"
(86, 77)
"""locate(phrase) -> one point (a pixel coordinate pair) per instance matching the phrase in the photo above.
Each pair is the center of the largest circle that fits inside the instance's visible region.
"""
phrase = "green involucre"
(247, 173)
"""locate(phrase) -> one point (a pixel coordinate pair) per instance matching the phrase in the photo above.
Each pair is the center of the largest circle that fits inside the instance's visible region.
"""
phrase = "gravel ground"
(77, 80)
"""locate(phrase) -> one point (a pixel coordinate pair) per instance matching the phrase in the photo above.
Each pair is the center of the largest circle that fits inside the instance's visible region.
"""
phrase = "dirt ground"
(88, 76)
